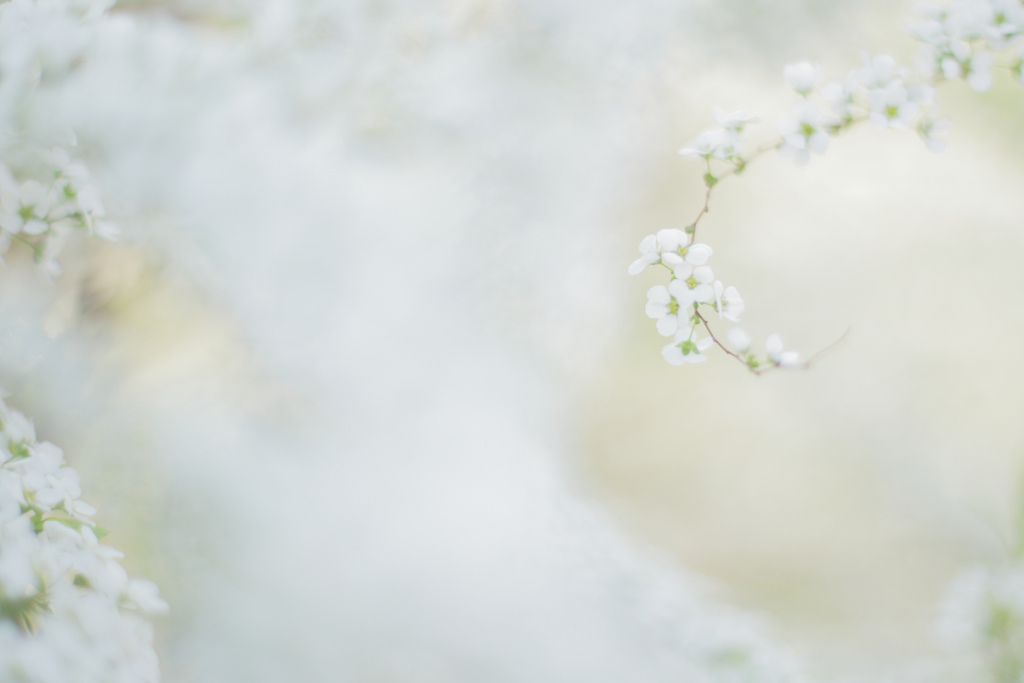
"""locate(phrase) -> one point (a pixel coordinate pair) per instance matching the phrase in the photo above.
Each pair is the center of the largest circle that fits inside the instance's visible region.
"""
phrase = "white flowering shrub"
(68, 610)
(962, 41)
(45, 193)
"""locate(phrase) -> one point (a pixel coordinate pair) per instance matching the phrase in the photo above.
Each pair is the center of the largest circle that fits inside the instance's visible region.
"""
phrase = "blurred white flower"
(739, 340)
(803, 76)
(774, 350)
(720, 143)
(734, 120)
(666, 309)
(685, 349)
(728, 302)
(891, 107)
(803, 132)
(59, 587)
(692, 284)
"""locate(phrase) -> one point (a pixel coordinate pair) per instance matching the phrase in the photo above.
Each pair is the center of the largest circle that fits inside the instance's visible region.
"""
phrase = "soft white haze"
(364, 386)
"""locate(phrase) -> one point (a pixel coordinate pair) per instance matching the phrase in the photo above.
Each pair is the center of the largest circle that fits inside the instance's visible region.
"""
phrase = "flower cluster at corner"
(68, 610)
(45, 194)
(961, 41)
(69, 613)
(41, 214)
(965, 40)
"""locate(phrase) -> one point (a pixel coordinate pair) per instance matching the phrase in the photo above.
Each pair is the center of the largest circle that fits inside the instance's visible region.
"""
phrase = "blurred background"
(365, 388)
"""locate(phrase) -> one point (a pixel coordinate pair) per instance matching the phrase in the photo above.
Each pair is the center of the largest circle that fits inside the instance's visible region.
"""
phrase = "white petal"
(703, 274)
(637, 267)
(107, 230)
(667, 325)
(950, 68)
(739, 339)
(698, 254)
(671, 259)
(671, 239)
(35, 227)
(795, 140)
(656, 310)
(682, 271)
(60, 158)
(11, 222)
(702, 293)
(818, 142)
(773, 347)
(673, 354)
(648, 245)
(979, 82)
(83, 508)
(658, 294)
(32, 192)
(679, 290)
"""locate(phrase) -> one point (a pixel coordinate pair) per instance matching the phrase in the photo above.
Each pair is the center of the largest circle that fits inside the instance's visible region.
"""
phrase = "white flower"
(734, 120)
(891, 106)
(683, 259)
(773, 348)
(739, 339)
(877, 71)
(979, 71)
(974, 67)
(929, 129)
(146, 596)
(666, 309)
(685, 349)
(692, 284)
(665, 247)
(649, 255)
(720, 143)
(803, 132)
(728, 302)
(78, 627)
(25, 211)
(840, 96)
(803, 76)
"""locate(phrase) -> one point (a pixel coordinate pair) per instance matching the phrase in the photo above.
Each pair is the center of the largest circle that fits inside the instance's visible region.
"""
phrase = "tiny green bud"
(710, 180)
(690, 229)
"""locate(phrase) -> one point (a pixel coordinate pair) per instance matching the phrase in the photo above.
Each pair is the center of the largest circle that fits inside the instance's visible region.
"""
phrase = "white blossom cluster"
(964, 40)
(691, 283)
(41, 214)
(69, 613)
(44, 193)
(68, 610)
(959, 42)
